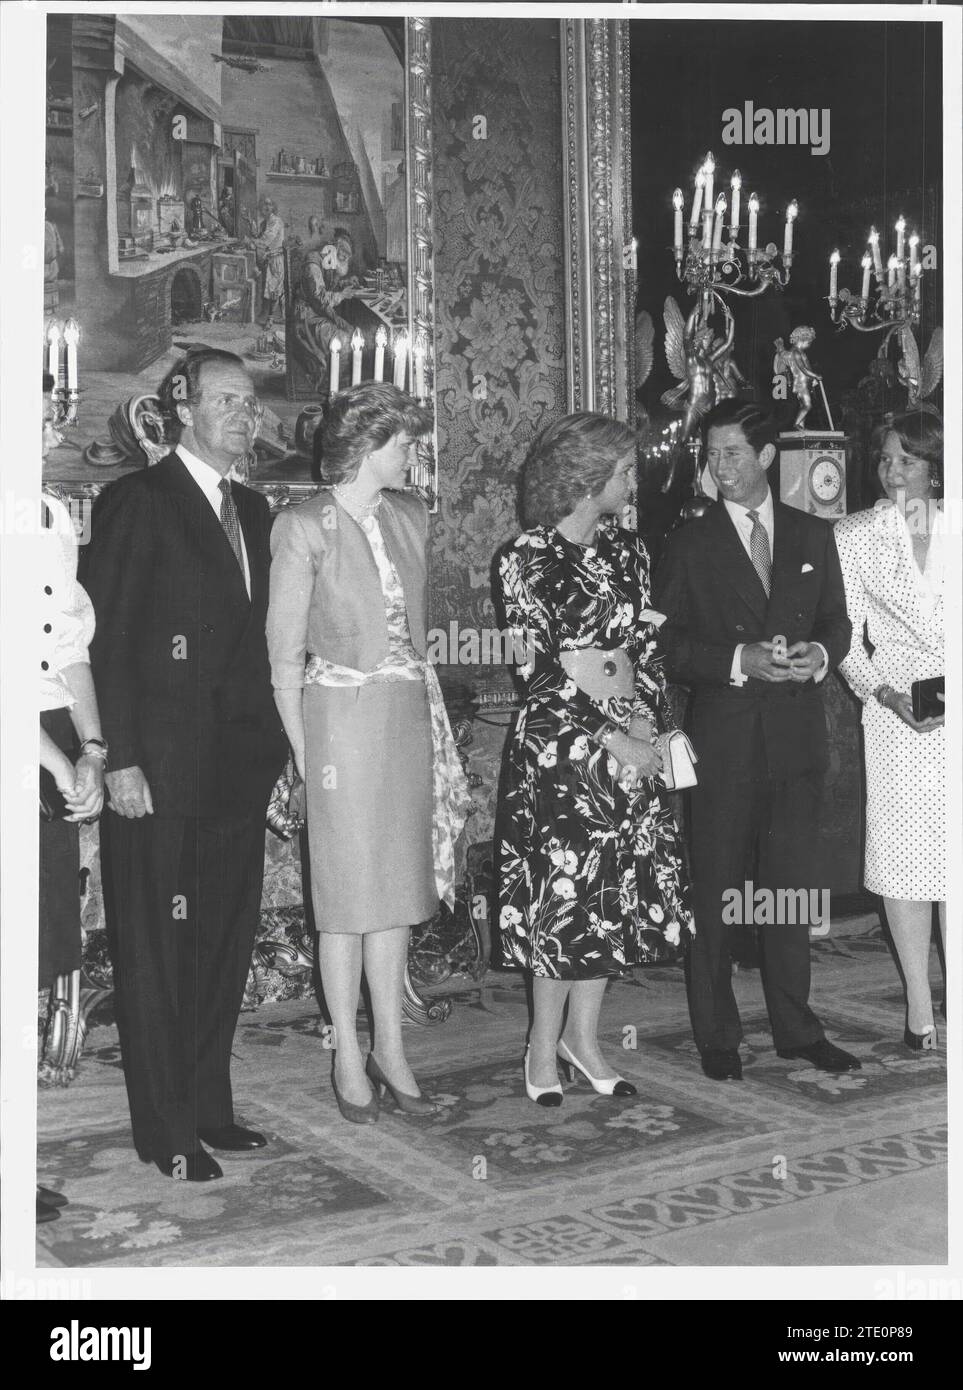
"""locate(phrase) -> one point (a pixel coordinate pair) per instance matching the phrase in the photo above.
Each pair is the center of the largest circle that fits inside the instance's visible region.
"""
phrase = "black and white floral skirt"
(591, 877)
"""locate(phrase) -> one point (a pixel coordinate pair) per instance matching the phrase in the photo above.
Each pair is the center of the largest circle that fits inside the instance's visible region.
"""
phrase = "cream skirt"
(368, 780)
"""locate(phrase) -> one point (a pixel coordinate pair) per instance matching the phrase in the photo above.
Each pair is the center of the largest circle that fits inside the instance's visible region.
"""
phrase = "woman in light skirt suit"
(892, 559)
(386, 795)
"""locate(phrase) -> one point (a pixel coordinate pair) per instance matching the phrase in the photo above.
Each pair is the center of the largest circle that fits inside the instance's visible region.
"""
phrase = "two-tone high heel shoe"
(548, 1096)
(407, 1104)
(357, 1114)
(921, 1042)
(610, 1086)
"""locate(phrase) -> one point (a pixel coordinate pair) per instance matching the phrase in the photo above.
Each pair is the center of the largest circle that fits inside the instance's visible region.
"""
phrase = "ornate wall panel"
(499, 288)
(600, 278)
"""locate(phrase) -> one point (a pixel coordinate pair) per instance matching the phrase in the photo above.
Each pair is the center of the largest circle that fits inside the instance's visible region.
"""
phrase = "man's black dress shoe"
(722, 1064)
(233, 1138)
(824, 1055)
(192, 1167)
(50, 1198)
(45, 1212)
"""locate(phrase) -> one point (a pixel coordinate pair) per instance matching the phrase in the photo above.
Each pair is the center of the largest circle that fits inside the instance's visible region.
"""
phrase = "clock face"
(826, 479)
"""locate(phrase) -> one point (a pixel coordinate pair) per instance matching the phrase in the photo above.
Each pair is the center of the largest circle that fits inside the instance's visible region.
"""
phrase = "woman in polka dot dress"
(892, 558)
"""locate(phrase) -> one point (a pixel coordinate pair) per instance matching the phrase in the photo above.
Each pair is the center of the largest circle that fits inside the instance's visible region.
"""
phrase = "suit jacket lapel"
(399, 547)
(733, 563)
(786, 558)
(211, 536)
(905, 570)
(245, 514)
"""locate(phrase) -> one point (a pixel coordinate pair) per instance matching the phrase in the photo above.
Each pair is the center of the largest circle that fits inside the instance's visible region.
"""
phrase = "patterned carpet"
(791, 1167)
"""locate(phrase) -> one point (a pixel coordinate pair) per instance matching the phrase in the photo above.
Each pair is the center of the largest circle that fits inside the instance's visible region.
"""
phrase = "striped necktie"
(759, 552)
(230, 522)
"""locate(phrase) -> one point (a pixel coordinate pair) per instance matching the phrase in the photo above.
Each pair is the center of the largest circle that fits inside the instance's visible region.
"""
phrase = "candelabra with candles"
(408, 371)
(898, 290)
(712, 259)
(62, 342)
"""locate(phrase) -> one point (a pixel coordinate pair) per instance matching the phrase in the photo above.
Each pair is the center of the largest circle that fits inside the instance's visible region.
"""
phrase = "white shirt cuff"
(824, 668)
(736, 676)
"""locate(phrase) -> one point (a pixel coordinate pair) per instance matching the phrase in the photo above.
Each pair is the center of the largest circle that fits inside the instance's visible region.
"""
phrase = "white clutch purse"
(678, 760)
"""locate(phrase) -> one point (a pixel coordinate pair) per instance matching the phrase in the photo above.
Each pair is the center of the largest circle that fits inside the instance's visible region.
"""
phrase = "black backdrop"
(881, 83)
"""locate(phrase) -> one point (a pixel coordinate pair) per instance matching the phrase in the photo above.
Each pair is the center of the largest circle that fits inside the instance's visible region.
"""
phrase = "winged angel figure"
(703, 363)
(920, 379)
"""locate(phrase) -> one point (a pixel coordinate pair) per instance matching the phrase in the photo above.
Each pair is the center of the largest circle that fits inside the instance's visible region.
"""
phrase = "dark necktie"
(759, 551)
(230, 522)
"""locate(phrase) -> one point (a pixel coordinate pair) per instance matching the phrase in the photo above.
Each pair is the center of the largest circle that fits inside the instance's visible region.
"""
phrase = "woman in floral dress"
(591, 872)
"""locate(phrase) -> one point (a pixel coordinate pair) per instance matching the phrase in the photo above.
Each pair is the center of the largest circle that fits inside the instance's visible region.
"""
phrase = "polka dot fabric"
(902, 610)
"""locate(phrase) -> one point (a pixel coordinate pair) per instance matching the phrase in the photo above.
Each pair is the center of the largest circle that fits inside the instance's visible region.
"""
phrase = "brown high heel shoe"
(357, 1114)
(409, 1105)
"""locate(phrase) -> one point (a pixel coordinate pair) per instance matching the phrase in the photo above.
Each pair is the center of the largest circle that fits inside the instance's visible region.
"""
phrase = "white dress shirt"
(66, 613)
(209, 481)
(743, 523)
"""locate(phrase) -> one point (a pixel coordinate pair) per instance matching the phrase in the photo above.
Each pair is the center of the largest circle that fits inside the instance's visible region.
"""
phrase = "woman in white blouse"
(68, 717)
(892, 559)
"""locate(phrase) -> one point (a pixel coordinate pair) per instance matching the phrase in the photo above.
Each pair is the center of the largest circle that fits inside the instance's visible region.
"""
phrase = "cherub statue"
(700, 360)
(792, 362)
(727, 377)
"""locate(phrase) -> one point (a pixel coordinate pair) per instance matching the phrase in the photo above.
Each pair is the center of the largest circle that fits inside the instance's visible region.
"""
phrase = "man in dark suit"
(750, 570)
(177, 569)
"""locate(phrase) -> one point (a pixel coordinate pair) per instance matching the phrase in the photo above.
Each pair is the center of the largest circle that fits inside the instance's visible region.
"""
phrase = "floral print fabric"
(591, 875)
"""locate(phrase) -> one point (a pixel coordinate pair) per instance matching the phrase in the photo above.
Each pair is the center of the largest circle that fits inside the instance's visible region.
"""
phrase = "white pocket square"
(806, 569)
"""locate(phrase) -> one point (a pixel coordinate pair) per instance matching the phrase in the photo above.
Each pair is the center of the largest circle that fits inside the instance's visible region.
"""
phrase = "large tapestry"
(499, 287)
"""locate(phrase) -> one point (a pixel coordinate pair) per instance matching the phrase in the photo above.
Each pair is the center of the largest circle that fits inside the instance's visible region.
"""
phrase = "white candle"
(707, 230)
(833, 274)
(791, 213)
(720, 219)
(335, 379)
(401, 360)
(53, 353)
(71, 338)
(677, 221)
(753, 217)
(736, 185)
(900, 234)
(874, 251)
(381, 342)
(914, 246)
(357, 345)
(917, 282)
(891, 266)
(710, 168)
(700, 182)
(866, 263)
(419, 361)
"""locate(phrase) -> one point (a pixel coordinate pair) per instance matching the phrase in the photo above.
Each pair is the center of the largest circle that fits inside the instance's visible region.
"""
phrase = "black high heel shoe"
(921, 1042)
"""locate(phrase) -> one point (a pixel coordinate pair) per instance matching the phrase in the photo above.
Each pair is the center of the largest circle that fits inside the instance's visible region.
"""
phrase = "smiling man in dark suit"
(177, 570)
(749, 570)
